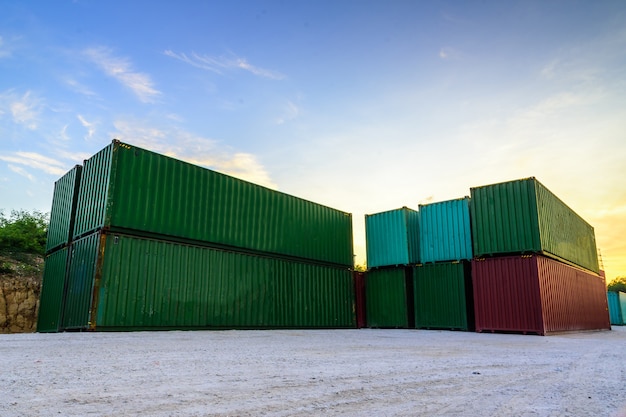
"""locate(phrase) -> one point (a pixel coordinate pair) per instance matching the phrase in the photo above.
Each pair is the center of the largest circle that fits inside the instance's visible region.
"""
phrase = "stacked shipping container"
(551, 282)
(160, 243)
(617, 307)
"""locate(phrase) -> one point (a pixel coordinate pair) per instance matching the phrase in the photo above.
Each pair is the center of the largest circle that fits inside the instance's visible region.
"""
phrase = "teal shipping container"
(52, 291)
(445, 231)
(389, 298)
(138, 192)
(120, 282)
(392, 238)
(523, 216)
(63, 210)
(617, 307)
(443, 296)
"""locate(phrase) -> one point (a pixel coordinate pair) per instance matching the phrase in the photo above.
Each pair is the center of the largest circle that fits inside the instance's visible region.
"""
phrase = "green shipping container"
(138, 284)
(139, 192)
(52, 292)
(388, 298)
(63, 209)
(443, 296)
(523, 216)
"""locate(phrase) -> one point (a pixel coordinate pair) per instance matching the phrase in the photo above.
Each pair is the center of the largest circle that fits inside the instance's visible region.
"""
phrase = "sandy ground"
(313, 372)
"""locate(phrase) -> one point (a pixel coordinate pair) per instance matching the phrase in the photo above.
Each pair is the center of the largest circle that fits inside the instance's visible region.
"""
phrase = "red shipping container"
(536, 294)
(359, 289)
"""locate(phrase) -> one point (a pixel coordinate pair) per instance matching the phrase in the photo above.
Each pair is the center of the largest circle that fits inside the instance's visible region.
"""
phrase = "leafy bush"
(618, 284)
(23, 231)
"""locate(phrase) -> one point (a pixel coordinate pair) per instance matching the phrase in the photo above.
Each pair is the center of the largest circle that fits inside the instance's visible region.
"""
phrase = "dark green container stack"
(389, 298)
(132, 190)
(52, 291)
(443, 296)
(163, 244)
(63, 210)
(523, 216)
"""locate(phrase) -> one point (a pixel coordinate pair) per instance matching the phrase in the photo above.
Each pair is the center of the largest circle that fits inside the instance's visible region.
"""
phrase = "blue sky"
(364, 106)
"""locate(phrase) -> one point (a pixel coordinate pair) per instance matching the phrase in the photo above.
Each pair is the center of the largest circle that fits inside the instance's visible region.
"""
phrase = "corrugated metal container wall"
(392, 237)
(84, 262)
(359, 299)
(386, 298)
(523, 216)
(52, 292)
(617, 307)
(444, 231)
(536, 294)
(443, 296)
(63, 210)
(129, 189)
(141, 283)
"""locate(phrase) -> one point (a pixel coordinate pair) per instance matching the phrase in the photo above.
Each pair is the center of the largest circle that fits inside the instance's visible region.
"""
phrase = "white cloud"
(196, 150)
(221, 63)
(36, 161)
(447, 53)
(24, 109)
(91, 127)
(80, 88)
(21, 171)
(121, 69)
(290, 112)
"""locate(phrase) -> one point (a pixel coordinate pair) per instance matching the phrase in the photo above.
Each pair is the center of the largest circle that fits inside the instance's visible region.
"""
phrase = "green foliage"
(23, 231)
(618, 284)
(360, 268)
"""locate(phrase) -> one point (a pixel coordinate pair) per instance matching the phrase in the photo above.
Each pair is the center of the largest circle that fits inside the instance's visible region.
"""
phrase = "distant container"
(523, 216)
(389, 297)
(443, 296)
(445, 231)
(131, 190)
(392, 238)
(617, 307)
(359, 293)
(120, 282)
(63, 210)
(536, 294)
(52, 291)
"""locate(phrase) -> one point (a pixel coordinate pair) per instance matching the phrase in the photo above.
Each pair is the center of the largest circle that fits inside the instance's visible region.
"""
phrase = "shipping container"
(523, 216)
(392, 237)
(444, 231)
(443, 296)
(389, 298)
(359, 299)
(63, 210)
(617, 307)
(120, 282)
(135, 191)
(537, 294)
(52, 291)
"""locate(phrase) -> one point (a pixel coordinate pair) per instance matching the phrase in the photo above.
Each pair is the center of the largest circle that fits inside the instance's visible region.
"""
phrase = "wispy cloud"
(21, 171)
(80, 88)
(24, 109)
(6, 49)
(221, 63)
(196, 150)
(290, 112)
(35, 161)
(447, 53)
(121, 69)
(91, 127)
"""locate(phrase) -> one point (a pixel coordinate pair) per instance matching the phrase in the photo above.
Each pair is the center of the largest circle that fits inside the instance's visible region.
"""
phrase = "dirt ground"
(364, 372)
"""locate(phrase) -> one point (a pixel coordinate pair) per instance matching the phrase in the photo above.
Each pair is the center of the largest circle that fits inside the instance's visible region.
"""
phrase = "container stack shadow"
(140, 241)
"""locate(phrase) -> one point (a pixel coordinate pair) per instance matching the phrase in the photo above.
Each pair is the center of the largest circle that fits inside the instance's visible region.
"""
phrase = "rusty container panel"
(359, 299)
(444, 231)
(392, 238)
(443, 296)
(389, 298)
(536, 294)
(135, 191)
(617, 307)
(523, 216)
(63, 211)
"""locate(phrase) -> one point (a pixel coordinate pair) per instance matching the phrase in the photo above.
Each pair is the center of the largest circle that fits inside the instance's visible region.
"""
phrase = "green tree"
(618, 284)
(23, 231)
